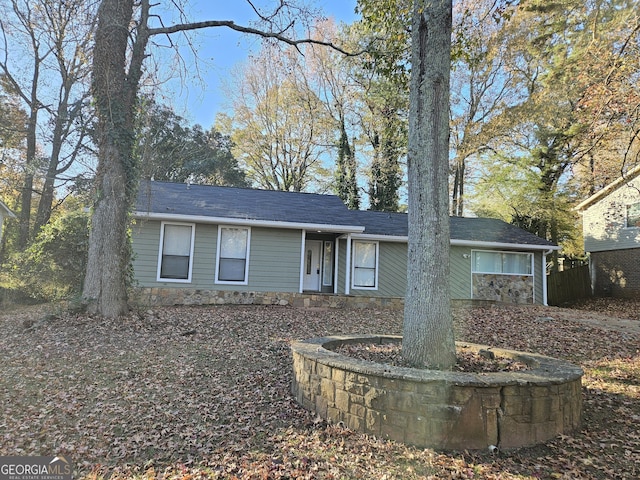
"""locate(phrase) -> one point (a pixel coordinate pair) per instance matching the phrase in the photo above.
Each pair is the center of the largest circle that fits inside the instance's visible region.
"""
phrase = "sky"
(220, 49)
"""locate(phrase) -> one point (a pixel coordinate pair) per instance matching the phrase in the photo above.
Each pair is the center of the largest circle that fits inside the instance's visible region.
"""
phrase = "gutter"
(458, 243)
(512, 246)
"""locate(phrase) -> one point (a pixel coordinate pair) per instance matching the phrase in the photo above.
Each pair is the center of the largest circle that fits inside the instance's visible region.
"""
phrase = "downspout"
(544, 277)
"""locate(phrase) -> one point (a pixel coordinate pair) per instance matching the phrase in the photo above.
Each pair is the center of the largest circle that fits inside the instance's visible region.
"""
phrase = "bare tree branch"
(182, 27)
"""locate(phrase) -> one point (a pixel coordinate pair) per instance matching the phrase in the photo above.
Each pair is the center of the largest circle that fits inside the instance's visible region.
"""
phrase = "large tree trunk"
(105, 284)
(48, 188)
(30, 168)
(428, 328)
(114, 90)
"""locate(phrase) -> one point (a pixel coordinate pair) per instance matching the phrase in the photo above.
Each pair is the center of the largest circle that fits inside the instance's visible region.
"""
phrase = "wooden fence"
(568, 286)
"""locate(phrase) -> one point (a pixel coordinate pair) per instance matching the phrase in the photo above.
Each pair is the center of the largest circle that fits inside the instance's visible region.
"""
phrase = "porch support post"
(302, 248)
(347, 273)
(336, 264)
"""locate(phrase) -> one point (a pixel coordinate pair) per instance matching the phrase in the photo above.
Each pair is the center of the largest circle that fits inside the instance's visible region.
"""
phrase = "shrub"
(53, 266)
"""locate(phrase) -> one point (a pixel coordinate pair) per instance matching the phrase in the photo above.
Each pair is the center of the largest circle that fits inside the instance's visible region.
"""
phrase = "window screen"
(502, 262)
(176, 252)
(232, 264)
(364, 264)
(633, 215)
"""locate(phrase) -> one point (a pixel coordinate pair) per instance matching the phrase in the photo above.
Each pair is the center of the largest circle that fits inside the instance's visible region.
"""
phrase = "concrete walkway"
(601, 321)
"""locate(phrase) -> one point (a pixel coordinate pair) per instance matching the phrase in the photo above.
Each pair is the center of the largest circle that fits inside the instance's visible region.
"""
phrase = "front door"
(312, 265)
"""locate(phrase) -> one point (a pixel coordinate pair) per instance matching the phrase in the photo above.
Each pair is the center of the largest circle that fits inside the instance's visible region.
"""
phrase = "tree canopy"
(168, 149)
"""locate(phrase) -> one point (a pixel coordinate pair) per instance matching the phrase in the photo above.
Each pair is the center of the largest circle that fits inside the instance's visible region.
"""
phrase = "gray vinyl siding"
(146, 246)
(604, 222)
(204, 257)
(538, 273)
(145, 240)
(274, 264)
(274, 259)
(393, 269)
(460, 272)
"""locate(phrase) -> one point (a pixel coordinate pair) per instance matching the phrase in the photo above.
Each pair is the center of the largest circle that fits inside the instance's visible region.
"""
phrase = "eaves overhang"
(7, 210)
(459, 243)
(600, 194)
(503, 245)
(318, 227)
(380, 238)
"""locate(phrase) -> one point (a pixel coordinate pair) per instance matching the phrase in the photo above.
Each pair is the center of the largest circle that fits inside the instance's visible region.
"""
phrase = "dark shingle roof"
(461, 228)
(241, 203)
(180, 199)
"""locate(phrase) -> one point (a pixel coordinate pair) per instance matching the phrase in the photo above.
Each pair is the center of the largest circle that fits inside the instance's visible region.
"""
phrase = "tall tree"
(428, 338)
(279, 125)
(346, 171)
(610, 107)
(169, 149)
(116, 73)
(387, 135)
(551, 56)
(383, 79)
(70, 30)
(384, 123)
(480, 89)
(333, 74)
(46, 46)
(12, 129)
(121, 40)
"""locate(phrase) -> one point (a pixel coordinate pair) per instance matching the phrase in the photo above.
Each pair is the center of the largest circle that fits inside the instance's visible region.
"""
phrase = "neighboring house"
(224, 239)
(611, 230)
(4, 213)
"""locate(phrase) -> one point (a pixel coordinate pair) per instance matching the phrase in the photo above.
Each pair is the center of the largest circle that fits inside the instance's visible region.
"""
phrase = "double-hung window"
(506, 263)
(176, 252)
(233, 255)
(365, 265)
(633, 215)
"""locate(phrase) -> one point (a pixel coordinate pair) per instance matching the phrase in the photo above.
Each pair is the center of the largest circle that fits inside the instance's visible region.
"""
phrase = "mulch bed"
(204, 392)
(470, 362)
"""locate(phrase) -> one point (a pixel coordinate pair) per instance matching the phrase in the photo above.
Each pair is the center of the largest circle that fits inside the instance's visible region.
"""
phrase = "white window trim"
(246, 264)
(531, 259)
(353, 266)
(191, 248)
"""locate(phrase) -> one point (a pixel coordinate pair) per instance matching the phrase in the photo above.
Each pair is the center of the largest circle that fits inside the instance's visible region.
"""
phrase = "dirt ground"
(203, 392)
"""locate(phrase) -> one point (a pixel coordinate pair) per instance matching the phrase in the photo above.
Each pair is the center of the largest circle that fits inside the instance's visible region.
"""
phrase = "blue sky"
(221, 49)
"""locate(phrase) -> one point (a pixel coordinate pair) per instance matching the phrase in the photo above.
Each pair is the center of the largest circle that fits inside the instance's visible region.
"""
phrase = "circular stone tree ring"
(438, 409)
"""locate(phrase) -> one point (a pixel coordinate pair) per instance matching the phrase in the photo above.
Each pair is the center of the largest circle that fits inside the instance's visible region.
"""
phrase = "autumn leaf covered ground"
(203, 392)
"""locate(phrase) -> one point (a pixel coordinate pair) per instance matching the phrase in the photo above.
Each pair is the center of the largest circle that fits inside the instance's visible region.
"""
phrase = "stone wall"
(503, 288)
(436, 409)
(187, 296)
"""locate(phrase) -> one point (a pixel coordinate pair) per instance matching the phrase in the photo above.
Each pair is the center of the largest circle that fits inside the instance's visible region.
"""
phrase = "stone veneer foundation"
(187, 296)
(438, 409)
(503, 288)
